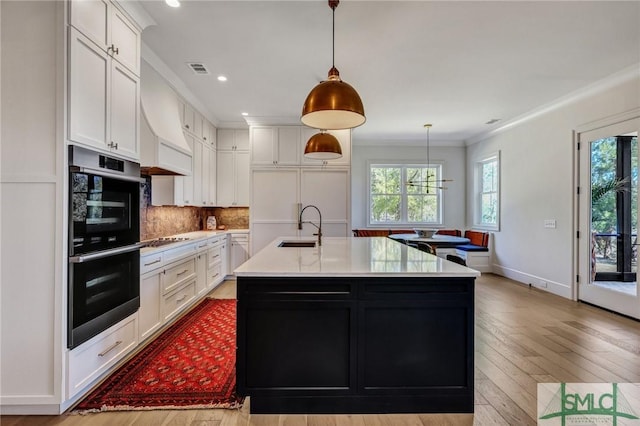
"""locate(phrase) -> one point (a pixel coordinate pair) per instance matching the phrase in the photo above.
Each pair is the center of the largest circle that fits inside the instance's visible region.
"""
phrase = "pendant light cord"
(333, 4)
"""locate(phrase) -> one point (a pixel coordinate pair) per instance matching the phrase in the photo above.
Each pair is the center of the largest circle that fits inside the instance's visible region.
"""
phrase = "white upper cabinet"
(125, 42)
(89, 88)
(106, 26)
(125, 111)
(233, 140)
(187, 116)
(275, 146)
(232, 178)
(343, 136)
(104, 100)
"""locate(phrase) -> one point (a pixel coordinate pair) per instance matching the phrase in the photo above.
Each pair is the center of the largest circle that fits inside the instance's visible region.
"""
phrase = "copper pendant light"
(333, 104)
(323, 146)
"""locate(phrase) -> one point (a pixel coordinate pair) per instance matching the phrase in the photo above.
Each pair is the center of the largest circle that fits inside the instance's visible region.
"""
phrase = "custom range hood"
(163, 147)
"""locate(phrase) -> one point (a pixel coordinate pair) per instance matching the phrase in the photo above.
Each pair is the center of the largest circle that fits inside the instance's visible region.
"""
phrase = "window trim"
(477, 192)
(404, 164)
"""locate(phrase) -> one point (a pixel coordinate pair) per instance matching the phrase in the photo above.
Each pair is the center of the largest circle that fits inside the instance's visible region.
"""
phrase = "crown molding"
(613, 80)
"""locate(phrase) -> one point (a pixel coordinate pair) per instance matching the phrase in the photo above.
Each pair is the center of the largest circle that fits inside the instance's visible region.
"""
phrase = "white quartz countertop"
(189, 237)
(357, 257)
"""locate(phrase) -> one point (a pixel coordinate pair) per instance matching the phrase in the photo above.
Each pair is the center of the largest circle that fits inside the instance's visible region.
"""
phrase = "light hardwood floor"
(523, 336)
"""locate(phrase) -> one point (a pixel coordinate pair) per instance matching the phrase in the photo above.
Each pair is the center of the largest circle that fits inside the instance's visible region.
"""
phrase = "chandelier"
(429, 182)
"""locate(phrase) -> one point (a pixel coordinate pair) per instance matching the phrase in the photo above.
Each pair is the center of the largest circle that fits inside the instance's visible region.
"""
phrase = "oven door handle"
(104, 173)
(104, 253)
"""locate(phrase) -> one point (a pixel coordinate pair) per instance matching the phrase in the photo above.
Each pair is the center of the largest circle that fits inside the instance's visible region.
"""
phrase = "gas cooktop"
(163, 241)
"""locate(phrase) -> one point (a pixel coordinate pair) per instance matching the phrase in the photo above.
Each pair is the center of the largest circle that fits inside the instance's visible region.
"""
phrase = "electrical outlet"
(543, 284)
(550, 223)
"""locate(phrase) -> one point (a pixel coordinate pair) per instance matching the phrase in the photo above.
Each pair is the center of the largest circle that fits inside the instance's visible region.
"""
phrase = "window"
(487, 184)
(393, 202)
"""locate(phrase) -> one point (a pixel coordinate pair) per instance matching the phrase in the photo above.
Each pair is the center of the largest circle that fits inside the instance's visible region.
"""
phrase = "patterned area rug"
(190, 365)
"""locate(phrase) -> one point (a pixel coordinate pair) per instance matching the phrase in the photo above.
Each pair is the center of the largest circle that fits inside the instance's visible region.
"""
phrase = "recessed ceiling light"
(245, 114)
(222, 78)
(172, 3)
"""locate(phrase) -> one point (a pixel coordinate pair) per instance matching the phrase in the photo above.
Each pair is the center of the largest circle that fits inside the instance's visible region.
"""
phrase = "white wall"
(452, 168)
(537, 183)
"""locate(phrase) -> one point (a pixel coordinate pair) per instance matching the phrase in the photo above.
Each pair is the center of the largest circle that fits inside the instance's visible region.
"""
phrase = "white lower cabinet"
(216, 258)
(149, 314)
(201, 268)
(239, 251)
(90, 360)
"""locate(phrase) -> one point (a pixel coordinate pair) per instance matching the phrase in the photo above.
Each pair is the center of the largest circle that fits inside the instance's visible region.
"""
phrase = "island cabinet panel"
(356, 345)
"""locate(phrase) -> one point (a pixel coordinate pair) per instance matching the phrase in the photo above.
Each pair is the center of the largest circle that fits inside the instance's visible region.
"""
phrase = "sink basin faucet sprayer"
(300, 222)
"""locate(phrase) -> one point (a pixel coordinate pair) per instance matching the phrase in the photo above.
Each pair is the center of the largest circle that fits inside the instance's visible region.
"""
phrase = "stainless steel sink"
(297, 244)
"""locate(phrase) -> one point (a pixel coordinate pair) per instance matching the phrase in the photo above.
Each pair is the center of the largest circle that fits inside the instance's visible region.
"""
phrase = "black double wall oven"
(104, 242)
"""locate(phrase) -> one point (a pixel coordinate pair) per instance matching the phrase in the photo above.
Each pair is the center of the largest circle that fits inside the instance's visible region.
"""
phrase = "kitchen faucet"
(300, 222)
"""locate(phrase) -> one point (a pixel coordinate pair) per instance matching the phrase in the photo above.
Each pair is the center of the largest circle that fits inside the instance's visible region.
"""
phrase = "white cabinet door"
(201, 273)
(241, 138)
(209, 134)
(239, 254)
(213, 164)
(89, 88)
(343, 136)
(329, 190)
(225, 181)
(125, 112)
(263, 140)
(287, 148)
(90, 18)
(242, 178)
(275, 195)
(275, 146)
(225, 139)
(125, 42)
(197, 172)
(109, 29)
(206, 170)
(187, 181)
(149, 314)
(233, 139)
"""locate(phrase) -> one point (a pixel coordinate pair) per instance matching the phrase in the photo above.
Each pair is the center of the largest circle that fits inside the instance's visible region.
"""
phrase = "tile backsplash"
(162, 221)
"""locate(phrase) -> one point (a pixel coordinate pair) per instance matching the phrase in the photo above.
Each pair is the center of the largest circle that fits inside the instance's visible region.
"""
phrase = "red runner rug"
(190, 365)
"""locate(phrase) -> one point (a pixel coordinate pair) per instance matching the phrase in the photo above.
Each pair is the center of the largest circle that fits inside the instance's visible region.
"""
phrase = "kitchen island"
(358, 325)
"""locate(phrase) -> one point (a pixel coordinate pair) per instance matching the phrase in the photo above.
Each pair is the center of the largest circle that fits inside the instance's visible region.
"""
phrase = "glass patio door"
(608, 217)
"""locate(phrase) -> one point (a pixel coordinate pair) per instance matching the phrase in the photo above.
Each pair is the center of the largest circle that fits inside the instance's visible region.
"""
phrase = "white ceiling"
(456, 64)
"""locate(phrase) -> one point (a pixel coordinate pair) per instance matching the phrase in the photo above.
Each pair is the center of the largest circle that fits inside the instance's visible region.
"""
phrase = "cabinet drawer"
(214, 255)
(176, 275)
(202, 245)
(241, 238)
(214, 275)
(150, 262)
(88, 361)
(176, 301)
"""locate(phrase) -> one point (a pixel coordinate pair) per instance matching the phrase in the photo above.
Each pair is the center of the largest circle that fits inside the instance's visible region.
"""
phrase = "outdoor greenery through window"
(488, 192)
(392, 201)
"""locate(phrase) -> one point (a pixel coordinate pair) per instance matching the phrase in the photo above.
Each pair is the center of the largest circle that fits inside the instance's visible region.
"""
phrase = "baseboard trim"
(556, 288)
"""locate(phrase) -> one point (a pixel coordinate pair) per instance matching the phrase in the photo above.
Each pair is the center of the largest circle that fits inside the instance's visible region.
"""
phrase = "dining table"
(443, 241)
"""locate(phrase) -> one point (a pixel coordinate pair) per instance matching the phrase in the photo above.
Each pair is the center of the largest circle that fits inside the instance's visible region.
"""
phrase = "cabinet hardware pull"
(182, 273)
(155, 261)
(204, 245)
(217, 255)
(186, 126)
(110, 348)
(184, 296)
